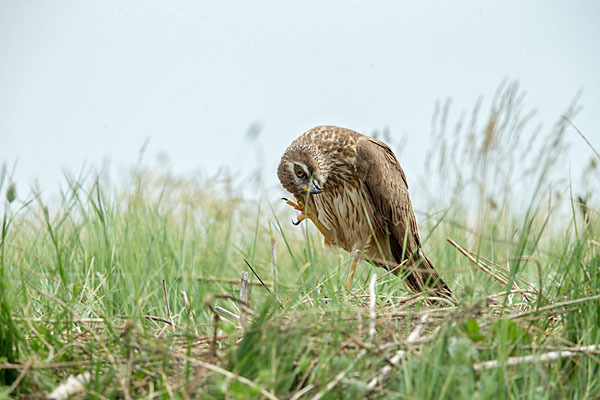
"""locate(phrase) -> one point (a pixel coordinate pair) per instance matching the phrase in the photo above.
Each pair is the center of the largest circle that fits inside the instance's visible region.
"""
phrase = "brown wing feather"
(387, 191)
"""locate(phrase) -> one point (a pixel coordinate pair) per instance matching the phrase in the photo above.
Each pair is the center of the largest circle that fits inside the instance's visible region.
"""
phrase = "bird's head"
(299, 172)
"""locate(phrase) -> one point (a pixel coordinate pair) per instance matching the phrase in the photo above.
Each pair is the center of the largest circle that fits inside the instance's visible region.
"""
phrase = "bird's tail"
(422, 276)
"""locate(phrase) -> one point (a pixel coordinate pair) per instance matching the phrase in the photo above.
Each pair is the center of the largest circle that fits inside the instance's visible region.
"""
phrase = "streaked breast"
(343, 213)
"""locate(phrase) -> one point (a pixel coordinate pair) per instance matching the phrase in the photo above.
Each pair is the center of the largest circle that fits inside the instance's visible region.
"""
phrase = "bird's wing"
(387, 191)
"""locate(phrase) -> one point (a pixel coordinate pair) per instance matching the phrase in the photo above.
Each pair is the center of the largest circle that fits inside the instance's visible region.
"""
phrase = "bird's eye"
(300, 173)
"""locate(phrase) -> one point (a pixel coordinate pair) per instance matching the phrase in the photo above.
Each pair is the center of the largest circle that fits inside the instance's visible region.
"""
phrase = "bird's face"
(299, 173)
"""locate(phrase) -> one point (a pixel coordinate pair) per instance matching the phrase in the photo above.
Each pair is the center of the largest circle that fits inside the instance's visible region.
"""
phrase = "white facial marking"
(293, 166)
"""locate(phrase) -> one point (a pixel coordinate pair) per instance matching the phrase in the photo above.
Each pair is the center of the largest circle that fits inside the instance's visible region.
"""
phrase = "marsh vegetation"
(85, 282)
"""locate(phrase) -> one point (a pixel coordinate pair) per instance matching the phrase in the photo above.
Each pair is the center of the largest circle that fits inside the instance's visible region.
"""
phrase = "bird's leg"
(351, 273)
(306, 212)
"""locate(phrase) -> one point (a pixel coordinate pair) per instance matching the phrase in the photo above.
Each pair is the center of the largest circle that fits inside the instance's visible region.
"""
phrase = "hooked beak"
(315, 188)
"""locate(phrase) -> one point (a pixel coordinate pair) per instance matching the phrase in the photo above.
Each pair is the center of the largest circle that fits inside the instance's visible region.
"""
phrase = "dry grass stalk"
(232, 281)
(501, 274)
(160, 319)
(415, 335)
(372, 302)
(544, 357)
(66, 319)
(582, 135)
(168, 306)
(302, 392)
(213, 345)
(20, 377)
(437, 300)
(513, 291)
(186, 303)
(385, 371)
(505, 272)
(227, 313)
(56, 365)
(477, 263)
(243, 297)
(556, 305)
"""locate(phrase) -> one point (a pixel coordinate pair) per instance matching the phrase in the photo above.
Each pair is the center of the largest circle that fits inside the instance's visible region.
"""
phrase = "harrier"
(353, 189)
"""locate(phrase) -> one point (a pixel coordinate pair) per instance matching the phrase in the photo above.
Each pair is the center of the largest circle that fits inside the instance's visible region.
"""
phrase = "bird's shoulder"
(376, 157)
(387, 188)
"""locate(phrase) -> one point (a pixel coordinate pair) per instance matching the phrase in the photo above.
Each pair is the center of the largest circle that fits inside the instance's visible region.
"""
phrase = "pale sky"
(86, 82)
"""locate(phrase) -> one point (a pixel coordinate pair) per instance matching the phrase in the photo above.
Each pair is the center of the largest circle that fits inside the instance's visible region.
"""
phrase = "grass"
(81, 290)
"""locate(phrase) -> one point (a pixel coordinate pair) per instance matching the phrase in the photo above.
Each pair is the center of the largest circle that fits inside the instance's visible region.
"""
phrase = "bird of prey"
(353, 189)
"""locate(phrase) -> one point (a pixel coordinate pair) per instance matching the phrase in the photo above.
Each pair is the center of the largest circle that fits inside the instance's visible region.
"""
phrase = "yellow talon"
(293, 205)
(306, 212)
